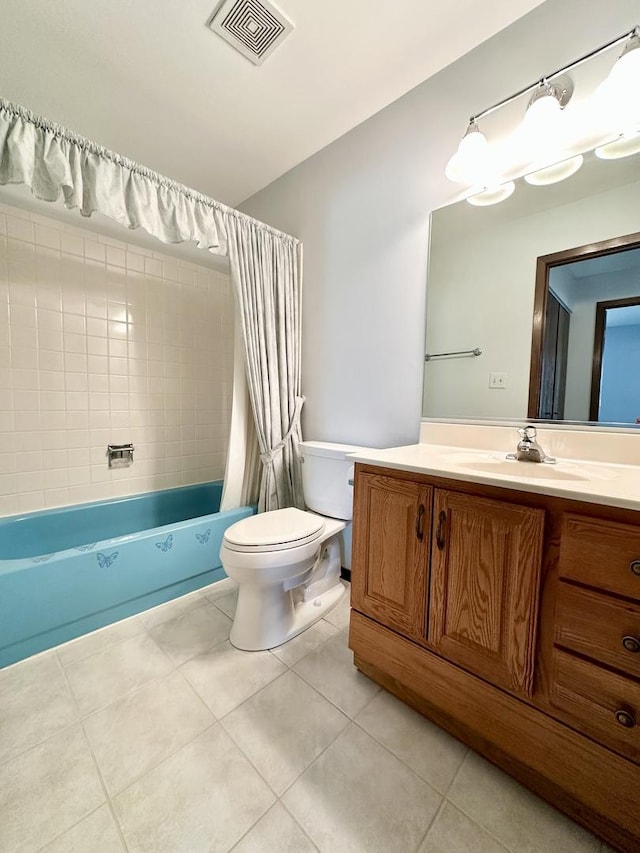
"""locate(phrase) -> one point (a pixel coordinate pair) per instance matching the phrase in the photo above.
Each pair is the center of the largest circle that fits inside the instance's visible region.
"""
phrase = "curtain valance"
(53, 161)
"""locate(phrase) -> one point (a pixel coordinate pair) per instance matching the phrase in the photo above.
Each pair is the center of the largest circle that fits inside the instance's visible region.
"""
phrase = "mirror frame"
(543, 267)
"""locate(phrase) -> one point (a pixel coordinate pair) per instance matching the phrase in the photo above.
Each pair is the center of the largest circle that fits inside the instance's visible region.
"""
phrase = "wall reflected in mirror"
(481, 293)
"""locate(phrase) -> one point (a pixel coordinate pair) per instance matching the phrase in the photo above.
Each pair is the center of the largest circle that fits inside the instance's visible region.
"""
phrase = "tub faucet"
(528, 449)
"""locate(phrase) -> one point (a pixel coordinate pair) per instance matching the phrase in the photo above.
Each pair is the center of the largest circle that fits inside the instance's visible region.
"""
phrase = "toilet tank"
(326, 472)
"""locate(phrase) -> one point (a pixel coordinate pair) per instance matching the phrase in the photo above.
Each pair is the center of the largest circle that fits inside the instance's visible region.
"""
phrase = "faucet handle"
(528, 433)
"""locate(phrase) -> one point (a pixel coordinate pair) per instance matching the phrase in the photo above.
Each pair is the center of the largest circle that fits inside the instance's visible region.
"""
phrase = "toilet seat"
(276, 530)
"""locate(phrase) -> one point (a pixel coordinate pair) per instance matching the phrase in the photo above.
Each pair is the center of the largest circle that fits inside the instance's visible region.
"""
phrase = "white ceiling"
(148, 79)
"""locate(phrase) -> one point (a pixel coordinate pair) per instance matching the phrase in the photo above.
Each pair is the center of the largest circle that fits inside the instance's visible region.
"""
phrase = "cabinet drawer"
(602, 554)
(602, 704)
(600, 627)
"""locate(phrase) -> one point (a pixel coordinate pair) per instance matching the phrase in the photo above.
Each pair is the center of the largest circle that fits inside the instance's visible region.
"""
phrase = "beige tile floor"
(155, 735)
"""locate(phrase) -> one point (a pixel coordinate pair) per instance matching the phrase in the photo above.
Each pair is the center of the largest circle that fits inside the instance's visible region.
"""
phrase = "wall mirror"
(546, 287)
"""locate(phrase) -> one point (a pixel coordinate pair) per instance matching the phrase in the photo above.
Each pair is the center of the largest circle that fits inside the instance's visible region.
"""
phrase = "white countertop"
(580, 480)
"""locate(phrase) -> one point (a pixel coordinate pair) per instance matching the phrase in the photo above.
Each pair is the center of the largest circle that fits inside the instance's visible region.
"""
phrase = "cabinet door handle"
(631, 644)
(634, 565)
(442, 520)
(625, 718)
(420, 522)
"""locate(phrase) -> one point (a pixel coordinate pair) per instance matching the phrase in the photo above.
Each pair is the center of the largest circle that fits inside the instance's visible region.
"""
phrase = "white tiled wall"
(106, 342)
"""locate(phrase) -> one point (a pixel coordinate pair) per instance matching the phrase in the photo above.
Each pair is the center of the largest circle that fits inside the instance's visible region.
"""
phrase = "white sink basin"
(531, 470)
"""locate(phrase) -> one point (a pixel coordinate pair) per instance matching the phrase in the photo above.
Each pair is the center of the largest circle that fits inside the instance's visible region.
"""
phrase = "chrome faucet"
(528, 449)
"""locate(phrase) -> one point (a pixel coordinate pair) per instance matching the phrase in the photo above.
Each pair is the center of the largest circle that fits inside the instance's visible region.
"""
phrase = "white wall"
(361, 206)
(103, 342)
(481, 293)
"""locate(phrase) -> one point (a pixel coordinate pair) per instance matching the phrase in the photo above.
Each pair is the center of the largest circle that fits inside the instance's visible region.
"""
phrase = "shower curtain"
(265, 269)
(268, 296)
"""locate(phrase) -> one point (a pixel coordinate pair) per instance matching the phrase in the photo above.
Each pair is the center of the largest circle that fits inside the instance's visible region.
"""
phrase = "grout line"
(298, 824)
(315, 760)
(249, 760)
(97, 651)
(471, 752)
(192, 688)
(95, 764)
(440, 808)
(69, 828)
(49, 737)
(104, 788)
(202, 601)
(277, 795)
(445, 797)
(163, 760)
(484, 828)
(311, 651)
(243, 701)
(113, 700)
(119, 830)
(331, 701)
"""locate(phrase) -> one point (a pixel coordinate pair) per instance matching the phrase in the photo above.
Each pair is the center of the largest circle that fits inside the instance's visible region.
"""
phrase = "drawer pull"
(420, 523)
(625, 719)
(634, 565)
(631, 644)
(442, 520)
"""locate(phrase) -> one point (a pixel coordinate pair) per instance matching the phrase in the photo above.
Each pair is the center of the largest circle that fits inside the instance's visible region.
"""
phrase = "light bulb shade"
(542, 136)
(473, 162)
(624, 146)
(543, 115)
(625, 74)
(615, 102)
(453, 170)
(555, 173)
(493, 195)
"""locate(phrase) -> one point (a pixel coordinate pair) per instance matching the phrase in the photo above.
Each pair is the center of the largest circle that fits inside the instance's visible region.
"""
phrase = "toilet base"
(296, 617)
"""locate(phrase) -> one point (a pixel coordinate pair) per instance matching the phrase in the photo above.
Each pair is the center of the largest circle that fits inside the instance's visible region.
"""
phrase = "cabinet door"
(485, 585)
(390, 558)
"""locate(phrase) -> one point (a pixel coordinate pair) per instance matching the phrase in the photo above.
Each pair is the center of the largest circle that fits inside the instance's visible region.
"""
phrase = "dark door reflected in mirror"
(555, 350)
(585, 360)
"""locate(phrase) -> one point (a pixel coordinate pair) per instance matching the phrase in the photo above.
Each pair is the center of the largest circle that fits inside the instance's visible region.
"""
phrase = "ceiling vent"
(254, 27)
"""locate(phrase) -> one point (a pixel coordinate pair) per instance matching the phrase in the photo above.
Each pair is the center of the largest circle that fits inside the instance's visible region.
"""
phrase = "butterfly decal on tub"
(106, 560)
(43, 558)
(203, 538)
(167, 545)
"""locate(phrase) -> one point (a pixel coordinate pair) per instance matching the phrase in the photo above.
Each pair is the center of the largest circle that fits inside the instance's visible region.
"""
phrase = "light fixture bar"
(587, 56)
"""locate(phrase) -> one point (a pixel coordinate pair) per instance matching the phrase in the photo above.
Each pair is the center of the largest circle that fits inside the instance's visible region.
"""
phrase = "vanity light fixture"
(550, 154)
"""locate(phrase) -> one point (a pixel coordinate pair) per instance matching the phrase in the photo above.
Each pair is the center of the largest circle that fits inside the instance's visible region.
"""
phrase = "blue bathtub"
(64, 572)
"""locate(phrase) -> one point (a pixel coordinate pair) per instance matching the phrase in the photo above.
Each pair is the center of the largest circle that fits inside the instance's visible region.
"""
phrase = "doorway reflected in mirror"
(586, 344)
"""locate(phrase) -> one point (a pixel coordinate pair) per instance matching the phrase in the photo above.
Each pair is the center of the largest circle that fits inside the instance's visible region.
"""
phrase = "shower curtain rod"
(162, 180)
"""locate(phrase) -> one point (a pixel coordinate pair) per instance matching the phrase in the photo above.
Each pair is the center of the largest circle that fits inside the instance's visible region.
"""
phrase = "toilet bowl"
(287, 562)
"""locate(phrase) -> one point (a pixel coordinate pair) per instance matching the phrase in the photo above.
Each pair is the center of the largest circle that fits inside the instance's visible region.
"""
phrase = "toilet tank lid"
(327, 448)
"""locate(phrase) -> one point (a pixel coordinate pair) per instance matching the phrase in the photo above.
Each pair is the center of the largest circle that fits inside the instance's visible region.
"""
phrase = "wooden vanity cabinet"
(392, 540)
(512, 620)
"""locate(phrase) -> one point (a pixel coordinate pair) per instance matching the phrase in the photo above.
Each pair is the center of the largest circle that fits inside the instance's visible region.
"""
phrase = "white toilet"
(287, 562)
